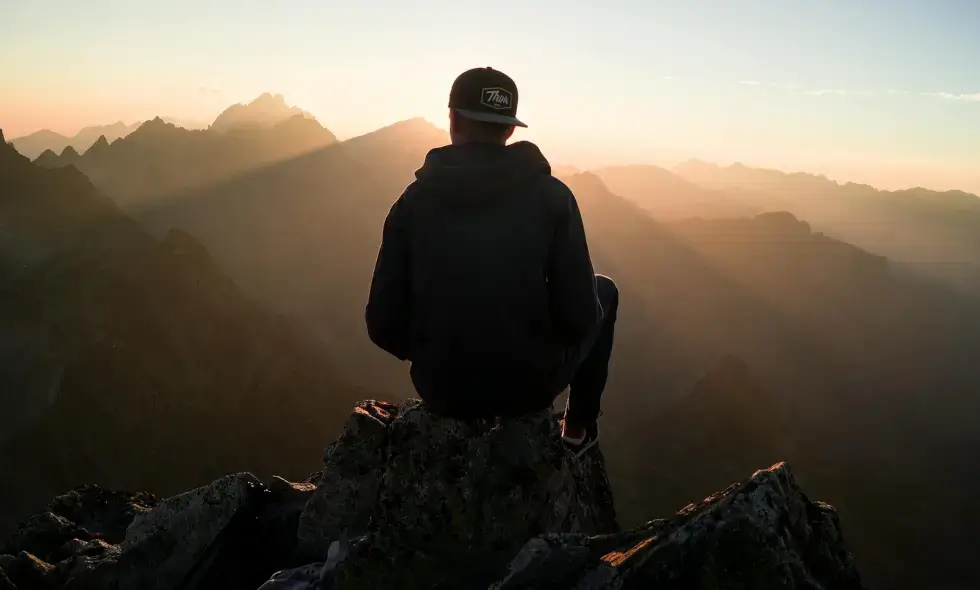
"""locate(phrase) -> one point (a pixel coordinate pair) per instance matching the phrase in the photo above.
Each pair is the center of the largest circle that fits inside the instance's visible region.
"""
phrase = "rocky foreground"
(409, 501)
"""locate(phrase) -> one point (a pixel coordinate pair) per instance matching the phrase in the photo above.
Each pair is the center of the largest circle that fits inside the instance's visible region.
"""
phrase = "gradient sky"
(879, 91)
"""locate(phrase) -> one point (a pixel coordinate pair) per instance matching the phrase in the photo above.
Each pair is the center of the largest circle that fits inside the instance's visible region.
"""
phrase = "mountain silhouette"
(264, 112)
(135, 361)
(668, 196)
(928, 233)
(36, 143)
(185, 123)
(159, 158)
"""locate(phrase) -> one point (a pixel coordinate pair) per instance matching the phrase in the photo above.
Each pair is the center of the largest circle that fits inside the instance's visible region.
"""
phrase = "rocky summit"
(410, 500)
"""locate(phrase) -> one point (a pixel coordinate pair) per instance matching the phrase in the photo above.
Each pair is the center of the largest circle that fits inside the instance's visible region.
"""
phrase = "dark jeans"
(587, 365)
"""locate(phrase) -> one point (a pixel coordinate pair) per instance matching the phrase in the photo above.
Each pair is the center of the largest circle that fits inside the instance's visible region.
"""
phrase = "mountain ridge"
(265, 111)
(34, 144)
(145, 338)
(159, 158)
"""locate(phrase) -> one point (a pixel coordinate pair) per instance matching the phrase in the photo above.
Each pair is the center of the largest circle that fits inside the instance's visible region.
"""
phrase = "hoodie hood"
(473, 172)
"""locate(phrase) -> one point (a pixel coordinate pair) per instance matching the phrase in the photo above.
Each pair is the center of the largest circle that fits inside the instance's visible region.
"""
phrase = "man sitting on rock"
(483, 279)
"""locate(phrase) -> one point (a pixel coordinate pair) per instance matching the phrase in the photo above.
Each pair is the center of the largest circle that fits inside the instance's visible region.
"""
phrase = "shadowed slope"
(668, 196)
(138, 364)
(302, 235)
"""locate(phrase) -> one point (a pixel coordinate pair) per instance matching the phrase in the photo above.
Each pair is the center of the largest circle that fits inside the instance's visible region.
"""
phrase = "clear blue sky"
(882, 90)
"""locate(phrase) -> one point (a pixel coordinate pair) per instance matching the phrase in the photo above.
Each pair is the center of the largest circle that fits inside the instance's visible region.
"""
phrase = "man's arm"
(389, 305)
(575, 305)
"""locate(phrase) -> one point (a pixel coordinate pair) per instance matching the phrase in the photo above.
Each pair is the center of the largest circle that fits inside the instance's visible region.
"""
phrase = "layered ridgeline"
(931, 233)
(35, 144)
(45, 140)
(160, 158)
(497, 505)
(133, 361)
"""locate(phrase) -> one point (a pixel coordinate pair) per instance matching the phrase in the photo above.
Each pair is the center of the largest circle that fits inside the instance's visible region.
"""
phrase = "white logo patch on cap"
(496, 98)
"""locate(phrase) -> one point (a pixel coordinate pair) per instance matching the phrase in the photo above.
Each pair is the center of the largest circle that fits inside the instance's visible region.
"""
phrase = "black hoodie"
(484, 280)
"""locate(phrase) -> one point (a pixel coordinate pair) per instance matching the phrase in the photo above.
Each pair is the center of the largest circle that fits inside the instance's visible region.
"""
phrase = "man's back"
(484, 280)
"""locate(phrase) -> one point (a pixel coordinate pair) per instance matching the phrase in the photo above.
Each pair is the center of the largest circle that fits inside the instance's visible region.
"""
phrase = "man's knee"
(607, 290)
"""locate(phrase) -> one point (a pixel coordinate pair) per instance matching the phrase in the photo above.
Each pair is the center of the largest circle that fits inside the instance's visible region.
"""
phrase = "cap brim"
(490, 118)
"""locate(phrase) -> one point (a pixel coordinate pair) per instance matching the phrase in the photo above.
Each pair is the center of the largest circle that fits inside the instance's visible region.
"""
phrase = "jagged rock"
(447, 503)
(72, 541)
(214, 537)
(105, 513)
(763, 533)
(165, 545)
(44, 534)
(418, 501)
(351, 479)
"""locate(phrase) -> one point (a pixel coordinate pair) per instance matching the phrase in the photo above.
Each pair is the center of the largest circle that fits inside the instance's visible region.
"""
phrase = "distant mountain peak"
(588, 181)
(99, 147)
(45, 134)
(416, 132)
(153, 127)
(6, 148)
(69, 152)
(414, 124)
(267, 98)
(267, 110)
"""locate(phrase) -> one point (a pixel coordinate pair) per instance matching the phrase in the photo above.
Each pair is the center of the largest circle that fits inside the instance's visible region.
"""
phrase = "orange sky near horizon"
(883, 92)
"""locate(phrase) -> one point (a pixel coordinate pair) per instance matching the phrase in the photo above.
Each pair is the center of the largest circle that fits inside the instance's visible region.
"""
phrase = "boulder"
(229, 534)
(164, 546)
(72, 542)
(85, 513)
(437, 502)
(762, 533)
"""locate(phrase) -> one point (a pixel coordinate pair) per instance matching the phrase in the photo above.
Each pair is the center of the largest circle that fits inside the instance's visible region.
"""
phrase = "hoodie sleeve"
(389, 304)
(575, 308)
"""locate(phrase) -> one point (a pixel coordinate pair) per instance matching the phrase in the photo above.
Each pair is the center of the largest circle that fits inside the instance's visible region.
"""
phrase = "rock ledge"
(409, 500)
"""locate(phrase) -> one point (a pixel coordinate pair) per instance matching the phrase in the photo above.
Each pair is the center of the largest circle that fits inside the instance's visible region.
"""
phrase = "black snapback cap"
(485, 94)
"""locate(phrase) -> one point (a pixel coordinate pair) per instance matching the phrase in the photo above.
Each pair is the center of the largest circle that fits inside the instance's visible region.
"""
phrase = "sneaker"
(580, 444)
